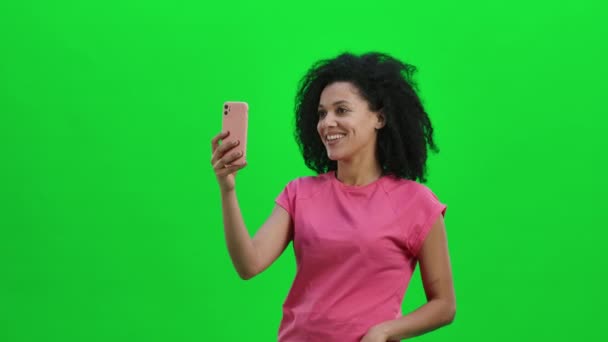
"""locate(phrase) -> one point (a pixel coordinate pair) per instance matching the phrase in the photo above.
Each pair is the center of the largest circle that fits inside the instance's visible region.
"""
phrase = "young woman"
(359, 227)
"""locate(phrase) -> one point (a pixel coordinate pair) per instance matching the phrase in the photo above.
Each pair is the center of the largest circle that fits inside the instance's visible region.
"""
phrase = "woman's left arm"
(440, 309)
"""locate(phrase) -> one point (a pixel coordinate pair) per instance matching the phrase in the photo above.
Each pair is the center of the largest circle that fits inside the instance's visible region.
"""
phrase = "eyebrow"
(336, 103)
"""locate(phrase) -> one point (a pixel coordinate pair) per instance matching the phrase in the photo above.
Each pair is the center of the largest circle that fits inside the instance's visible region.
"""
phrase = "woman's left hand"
(374, 335)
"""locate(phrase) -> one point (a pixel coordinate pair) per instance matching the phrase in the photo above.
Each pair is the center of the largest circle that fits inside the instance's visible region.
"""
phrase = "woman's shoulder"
(311, 179)
(308, 186)
(403, 187)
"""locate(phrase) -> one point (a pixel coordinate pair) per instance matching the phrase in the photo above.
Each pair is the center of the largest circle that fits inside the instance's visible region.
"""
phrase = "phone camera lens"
(225, 113)
(226, 106)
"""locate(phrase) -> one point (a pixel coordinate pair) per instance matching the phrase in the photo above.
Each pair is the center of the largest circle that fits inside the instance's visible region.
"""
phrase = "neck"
(358, 173)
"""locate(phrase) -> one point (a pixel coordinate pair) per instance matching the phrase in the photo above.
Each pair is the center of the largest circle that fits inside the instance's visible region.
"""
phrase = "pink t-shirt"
(356, 248)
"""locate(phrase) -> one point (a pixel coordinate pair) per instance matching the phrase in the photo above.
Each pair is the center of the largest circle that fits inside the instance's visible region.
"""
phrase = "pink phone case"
(234, 119)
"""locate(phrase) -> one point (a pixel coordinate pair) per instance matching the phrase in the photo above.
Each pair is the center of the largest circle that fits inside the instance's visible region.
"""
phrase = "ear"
(381, 120)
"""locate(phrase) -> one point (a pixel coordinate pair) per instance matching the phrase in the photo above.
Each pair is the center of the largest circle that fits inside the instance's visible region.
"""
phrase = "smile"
(334, 138)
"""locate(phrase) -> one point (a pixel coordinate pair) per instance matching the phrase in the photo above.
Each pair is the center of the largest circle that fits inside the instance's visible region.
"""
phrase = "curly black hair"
(387, 84)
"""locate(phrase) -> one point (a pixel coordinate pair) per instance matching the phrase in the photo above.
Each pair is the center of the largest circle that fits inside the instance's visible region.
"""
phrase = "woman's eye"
(340, 110)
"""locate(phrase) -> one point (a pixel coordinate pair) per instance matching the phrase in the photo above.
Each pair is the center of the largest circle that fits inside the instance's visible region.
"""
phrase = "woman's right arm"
(249, 256)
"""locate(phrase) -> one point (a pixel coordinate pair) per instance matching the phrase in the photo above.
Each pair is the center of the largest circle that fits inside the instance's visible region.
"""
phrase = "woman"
(359, 227)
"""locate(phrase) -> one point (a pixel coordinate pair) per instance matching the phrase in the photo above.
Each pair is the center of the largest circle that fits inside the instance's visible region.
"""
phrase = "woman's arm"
(251, 256)
(240, 247)
(436, 273)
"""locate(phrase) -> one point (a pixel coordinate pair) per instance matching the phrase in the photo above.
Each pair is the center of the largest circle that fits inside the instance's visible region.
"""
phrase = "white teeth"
(334, 137)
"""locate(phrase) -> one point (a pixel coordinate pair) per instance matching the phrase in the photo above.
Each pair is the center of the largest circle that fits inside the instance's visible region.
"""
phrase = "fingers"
(220, 150)
(222, 157)
(215, 141)
(226, 159)
(225, 171)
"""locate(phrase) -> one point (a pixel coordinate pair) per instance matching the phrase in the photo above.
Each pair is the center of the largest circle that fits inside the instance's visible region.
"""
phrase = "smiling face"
(346, 125)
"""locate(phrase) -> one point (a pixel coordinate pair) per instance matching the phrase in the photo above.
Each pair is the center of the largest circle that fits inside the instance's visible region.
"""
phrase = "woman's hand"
(374, 335)
(221, 156)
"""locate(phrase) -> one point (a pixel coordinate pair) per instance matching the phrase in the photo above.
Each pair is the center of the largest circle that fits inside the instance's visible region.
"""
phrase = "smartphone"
(234, 119)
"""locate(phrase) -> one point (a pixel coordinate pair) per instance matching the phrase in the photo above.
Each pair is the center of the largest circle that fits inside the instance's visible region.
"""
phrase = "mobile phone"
(235, 120)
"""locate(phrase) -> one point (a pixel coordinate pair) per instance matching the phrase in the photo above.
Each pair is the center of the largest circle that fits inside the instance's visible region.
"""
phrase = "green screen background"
(110, 214)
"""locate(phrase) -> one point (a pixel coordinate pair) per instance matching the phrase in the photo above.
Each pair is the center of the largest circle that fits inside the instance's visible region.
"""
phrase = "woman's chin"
(334, 156)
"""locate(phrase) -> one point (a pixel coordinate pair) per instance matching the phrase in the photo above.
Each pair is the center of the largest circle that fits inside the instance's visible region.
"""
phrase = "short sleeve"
(286, 199)
(427, 209)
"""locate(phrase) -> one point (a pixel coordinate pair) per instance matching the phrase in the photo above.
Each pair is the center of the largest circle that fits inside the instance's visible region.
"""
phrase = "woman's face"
(346, 125)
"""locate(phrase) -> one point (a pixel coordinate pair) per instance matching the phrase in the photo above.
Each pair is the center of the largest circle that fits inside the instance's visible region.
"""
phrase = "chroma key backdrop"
(110, 215)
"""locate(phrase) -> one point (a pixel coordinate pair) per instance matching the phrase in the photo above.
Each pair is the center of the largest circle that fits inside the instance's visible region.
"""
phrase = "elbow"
(247, 274)
(450, 313)
(446, 311)
(451, 317)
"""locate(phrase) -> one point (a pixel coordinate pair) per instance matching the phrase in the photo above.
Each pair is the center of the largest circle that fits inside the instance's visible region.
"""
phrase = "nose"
(329, 120)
